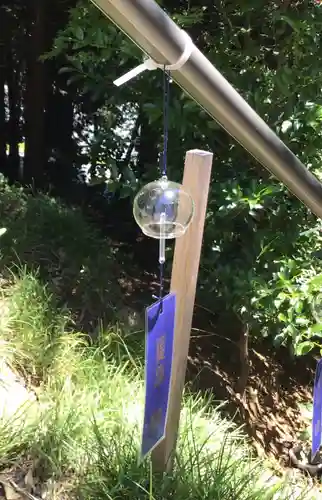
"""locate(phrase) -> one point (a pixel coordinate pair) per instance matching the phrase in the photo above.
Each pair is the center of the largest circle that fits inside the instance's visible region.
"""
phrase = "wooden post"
(196, 181)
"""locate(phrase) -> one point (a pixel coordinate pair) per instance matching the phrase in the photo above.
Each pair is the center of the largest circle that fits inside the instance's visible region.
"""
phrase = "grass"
(79, 438)
(78, 266)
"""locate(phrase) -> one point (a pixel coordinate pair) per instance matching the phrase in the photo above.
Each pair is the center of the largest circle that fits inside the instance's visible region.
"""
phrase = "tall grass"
(80, 436)
(84, 434)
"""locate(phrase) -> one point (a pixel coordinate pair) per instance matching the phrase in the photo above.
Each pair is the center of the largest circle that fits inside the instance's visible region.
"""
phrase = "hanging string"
(166, 92)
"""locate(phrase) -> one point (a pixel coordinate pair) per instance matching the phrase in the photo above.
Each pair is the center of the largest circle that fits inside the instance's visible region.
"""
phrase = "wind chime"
(163, 210)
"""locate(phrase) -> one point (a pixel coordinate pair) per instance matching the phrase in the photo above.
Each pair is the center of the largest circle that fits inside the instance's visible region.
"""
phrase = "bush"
(46, 237)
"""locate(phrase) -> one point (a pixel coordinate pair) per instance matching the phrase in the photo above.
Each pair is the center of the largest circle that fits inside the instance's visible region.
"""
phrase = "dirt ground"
(278, 389)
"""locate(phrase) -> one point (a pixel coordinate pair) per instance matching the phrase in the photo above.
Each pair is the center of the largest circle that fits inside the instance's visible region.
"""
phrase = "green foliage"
(54, 241)
(261, 245)
(88, 48)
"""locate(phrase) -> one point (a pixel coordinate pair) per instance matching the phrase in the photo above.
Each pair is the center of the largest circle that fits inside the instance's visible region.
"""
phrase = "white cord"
(150, 64)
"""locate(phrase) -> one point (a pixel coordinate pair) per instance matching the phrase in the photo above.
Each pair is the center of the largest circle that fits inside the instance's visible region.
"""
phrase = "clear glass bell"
(163, 209)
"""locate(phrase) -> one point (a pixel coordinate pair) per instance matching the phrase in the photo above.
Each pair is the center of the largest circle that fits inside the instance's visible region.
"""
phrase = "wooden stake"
(196, 181)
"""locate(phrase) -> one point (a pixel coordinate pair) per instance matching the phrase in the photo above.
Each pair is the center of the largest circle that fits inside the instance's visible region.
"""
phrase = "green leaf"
(316, 328)
(279, 339)
(79, 33)
(98, 38)
(315, 282)
(296, 25)
(74, 78)
(65, 69)
(301, 321)
(77, 63)
(304, 348)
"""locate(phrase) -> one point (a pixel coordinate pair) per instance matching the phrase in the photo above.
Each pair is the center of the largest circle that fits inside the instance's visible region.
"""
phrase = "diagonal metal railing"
(161, 39)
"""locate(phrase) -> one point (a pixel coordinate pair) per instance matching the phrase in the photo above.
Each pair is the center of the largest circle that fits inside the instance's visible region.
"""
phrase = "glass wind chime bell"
(163, 210)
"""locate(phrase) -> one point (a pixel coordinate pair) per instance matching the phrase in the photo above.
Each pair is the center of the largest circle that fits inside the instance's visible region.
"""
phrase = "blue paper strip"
(317, 410)
(160, 318)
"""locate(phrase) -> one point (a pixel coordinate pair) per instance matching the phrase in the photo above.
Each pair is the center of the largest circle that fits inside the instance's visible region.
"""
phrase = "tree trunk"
(3, 134)
(3, 156)
(59, 137)
(244, 361)
(14, 134)
(35, 157)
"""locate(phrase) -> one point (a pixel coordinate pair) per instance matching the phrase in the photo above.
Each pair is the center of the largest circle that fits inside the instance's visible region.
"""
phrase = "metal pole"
(160, 38)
